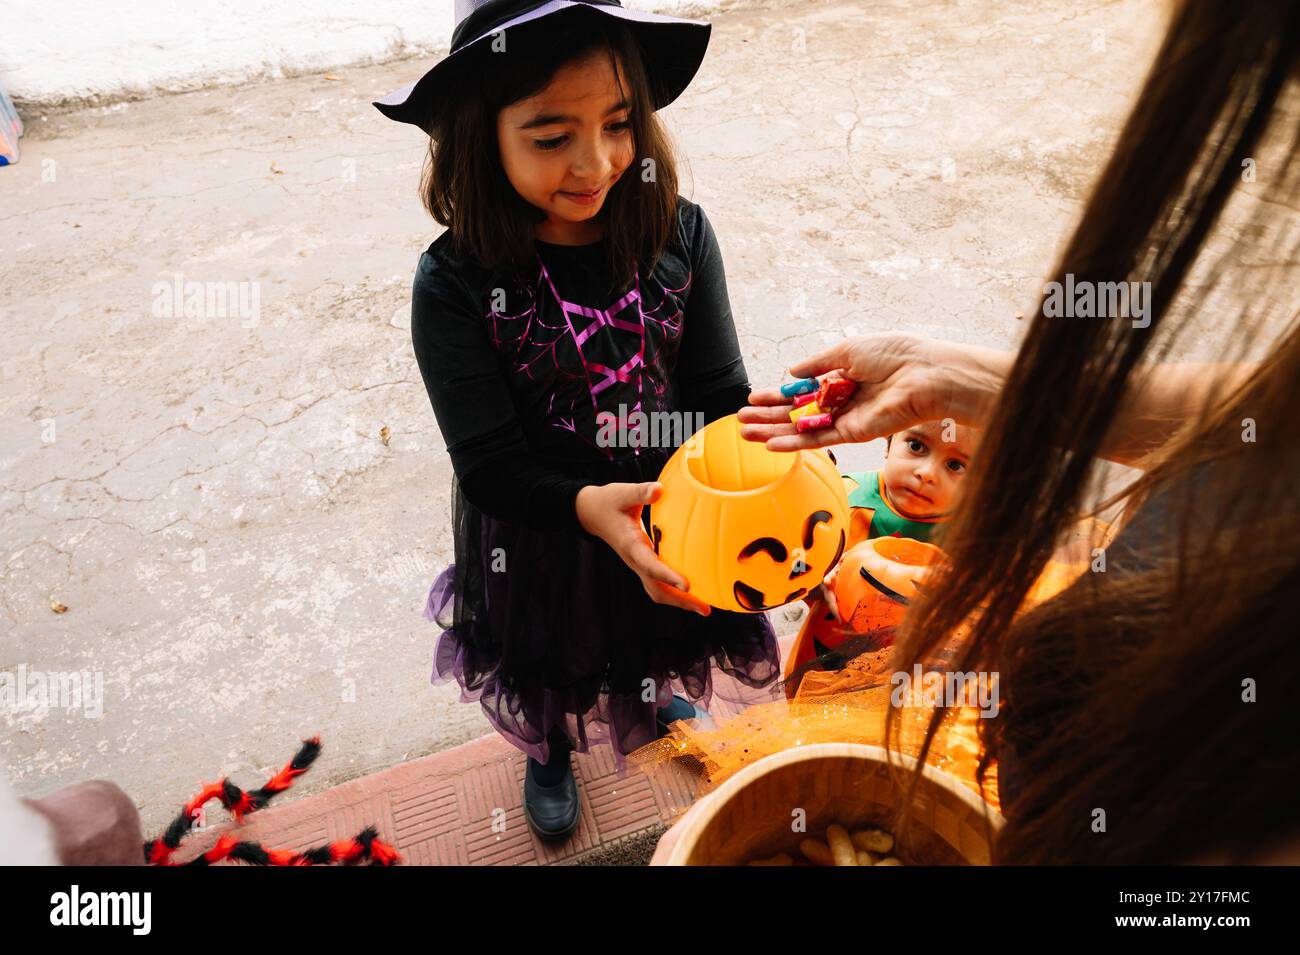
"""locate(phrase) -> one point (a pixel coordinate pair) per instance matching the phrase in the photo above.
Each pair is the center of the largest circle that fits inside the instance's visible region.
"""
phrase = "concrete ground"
(242, 549)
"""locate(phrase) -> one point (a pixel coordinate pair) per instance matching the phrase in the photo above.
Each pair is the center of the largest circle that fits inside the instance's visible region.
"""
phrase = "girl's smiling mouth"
(583, 198)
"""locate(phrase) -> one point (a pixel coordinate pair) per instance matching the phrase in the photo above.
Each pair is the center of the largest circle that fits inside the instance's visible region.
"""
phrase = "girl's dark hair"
(1130, 691)
(465, 186)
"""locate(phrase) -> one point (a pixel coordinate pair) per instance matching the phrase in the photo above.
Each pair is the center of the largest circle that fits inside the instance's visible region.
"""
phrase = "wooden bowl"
(751, 815)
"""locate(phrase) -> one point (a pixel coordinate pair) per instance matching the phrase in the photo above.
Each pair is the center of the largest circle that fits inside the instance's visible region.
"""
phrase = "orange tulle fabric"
(827, 713)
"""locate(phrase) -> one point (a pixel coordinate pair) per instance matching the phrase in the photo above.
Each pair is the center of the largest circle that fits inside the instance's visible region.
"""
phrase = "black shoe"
(553, 812)
(678, 709)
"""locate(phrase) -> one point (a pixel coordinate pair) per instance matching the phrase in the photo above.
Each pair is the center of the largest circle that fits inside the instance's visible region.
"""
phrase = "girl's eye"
(956, 467)
(916, 447)
(558, 141)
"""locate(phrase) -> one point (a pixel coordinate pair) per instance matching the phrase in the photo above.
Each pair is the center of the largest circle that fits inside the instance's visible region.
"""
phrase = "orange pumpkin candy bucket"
(751, 529)
(878, 579)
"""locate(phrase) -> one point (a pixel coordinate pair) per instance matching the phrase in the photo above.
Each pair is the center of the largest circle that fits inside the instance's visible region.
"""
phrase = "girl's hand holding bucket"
(612, 512)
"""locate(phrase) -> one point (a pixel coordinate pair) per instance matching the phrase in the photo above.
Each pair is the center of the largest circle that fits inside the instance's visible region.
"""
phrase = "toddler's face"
(565, 147)
(922, 470)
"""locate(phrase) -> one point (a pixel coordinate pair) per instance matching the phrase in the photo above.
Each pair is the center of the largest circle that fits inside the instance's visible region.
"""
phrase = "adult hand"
(903, 380)
(612, 512)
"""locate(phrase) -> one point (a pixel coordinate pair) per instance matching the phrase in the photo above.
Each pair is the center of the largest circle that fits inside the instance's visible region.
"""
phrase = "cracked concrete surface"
(242, 556)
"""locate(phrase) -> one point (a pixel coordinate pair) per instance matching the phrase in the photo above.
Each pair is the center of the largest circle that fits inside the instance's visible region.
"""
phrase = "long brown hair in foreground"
(465, 187)
(1125, 693)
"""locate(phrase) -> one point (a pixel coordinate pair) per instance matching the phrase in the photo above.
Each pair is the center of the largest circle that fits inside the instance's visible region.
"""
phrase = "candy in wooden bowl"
(785, 801)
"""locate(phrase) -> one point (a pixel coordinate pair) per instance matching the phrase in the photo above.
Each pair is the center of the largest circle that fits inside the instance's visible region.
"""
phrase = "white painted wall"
(65, 51)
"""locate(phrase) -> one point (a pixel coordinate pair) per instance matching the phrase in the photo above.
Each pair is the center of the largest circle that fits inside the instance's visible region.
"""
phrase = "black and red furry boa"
(364, 848)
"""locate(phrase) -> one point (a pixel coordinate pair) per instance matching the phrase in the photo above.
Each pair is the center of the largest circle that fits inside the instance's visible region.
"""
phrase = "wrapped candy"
(793, 389)
(835, 391)
(813, 422)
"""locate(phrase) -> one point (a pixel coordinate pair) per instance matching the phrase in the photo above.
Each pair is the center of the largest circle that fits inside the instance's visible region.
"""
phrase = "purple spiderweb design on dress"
(592, 358)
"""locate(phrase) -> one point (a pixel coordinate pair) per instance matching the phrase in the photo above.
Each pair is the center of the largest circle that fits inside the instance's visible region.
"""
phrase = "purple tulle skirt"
(552, 634)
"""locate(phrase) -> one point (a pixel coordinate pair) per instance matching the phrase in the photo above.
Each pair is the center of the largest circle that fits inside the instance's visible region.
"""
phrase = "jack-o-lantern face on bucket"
(800, 561)
(751, 529)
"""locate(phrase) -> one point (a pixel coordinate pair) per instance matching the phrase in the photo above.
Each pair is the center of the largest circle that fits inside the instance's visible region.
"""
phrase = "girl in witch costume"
(572, 288)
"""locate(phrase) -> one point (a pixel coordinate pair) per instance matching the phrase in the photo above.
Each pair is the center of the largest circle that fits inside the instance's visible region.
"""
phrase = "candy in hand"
(814, 400)
(792, 389)
(813, 422)
(835, 391)
(801, 411)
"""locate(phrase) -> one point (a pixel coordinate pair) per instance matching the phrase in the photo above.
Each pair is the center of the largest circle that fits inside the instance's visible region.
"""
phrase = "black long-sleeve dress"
(542, 622)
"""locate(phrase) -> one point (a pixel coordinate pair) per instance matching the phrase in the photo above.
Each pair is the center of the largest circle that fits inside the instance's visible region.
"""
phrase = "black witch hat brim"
(673, 49)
